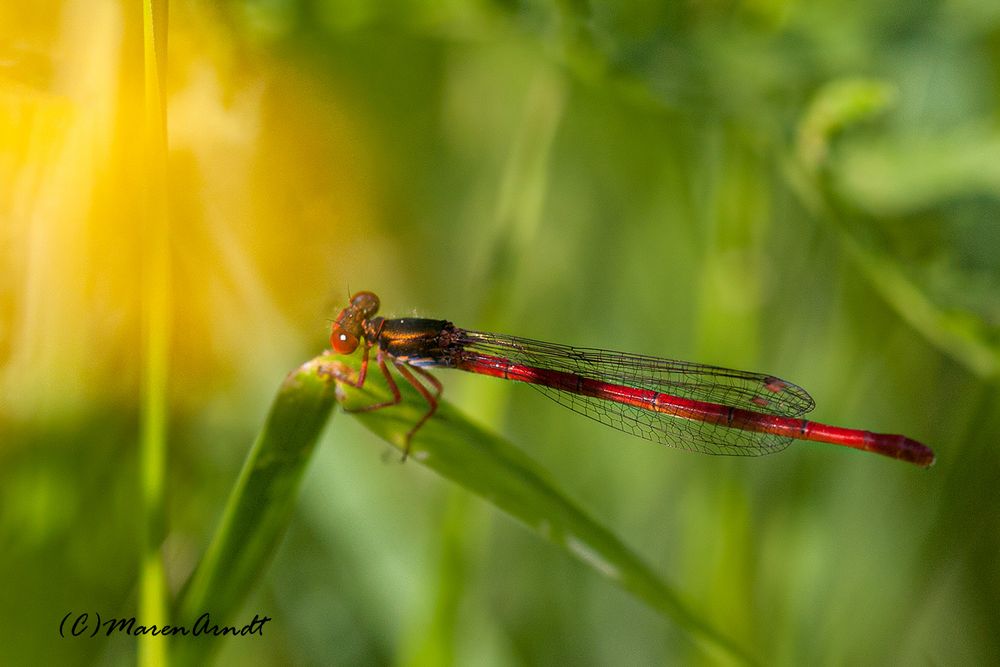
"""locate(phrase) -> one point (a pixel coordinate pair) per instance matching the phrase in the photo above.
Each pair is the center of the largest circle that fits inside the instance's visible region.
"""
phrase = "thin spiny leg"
(396, 396)
(363, 373)
(344, 377)
(404, 370)
(430, 378)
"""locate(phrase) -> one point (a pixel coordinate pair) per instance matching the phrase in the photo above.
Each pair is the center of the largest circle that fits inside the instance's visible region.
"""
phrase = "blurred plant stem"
(155, 333)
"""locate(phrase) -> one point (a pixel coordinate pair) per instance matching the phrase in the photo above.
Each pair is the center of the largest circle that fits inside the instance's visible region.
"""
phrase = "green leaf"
(496, 470)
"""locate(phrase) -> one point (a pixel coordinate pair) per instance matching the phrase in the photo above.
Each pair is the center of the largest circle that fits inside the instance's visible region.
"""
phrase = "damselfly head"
(348, 327)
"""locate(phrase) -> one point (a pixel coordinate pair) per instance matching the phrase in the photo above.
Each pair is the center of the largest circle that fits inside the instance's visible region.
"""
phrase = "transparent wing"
(756, 392)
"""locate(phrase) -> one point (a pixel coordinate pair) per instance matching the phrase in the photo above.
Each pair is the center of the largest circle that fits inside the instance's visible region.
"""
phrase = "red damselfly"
(686, 405)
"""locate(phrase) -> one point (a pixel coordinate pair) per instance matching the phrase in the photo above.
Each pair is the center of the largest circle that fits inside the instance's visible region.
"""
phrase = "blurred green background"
(810, 189)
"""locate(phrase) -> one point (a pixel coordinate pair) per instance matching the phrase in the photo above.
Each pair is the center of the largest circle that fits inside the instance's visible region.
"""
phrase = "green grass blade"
(258, 511)
(152, 603)
(496, 470)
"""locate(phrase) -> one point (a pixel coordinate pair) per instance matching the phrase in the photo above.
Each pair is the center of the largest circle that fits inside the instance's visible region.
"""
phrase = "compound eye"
(343, 342)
